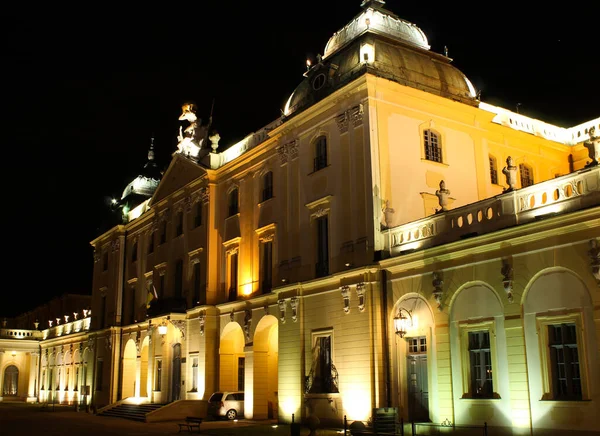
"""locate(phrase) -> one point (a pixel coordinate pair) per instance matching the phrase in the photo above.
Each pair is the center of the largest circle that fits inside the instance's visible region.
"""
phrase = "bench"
(190, 423)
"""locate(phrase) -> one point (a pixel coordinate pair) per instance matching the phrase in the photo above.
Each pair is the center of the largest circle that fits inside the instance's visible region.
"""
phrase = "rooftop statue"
(593, 147)
(510, 171)
(191, 139)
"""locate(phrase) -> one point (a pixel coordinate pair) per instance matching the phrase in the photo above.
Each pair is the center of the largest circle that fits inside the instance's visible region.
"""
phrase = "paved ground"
(26, 419)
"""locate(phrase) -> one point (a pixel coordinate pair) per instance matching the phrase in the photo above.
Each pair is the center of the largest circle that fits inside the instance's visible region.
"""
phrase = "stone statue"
(443, 195)
(190, 139)
(510, 171)
(388, 215)
(214, 141)
(593, 147)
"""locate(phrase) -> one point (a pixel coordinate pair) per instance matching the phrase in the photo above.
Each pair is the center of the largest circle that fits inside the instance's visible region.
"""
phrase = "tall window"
(266, 266)
(75, 387)
(233, 202)
(267, 191)
(526, 175)
(323, 377)
(163, 232)
(197, 282)
(178, 278)
(99, 374)
(322, 265)
(105, 261)
(158, 375)
(151, 242)
(241, 373)
(233, 267)
(43, 379)
(493, 170)
(320, 153)
(433, 146)
(132, 313)
(179, 229)
(67, 375)
(162, 284)
(480, 358)
(134, 250)
(564, 362)
(103, 311)
(195, 374)
(198, 214)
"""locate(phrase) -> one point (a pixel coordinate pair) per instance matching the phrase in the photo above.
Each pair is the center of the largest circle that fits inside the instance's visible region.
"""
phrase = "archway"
(11, 381)
(265, 376)
(128, 378)
(232, 358)
(144, 368)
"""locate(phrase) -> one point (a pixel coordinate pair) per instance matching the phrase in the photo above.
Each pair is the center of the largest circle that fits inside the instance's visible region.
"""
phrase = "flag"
(152, 295)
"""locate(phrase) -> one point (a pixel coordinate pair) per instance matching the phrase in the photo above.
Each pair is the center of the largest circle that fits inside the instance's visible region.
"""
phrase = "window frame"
(198, 208)
(195, 364)
(267, 186)
(179, 224)
(522, 179)
(465, 328)
(320, 153)
(233, 207)
(493, 162)
(439, 147)
(545, 359)
(322, 266)
(316, 335)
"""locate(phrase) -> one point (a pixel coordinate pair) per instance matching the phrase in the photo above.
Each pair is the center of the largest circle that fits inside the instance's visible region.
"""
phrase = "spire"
(376, 4)
(151, 151)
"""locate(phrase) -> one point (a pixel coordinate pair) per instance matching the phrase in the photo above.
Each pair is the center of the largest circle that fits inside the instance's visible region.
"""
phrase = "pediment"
(180, 172)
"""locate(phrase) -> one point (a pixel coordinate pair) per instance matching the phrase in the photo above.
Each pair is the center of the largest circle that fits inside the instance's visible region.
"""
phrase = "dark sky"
(86, 88)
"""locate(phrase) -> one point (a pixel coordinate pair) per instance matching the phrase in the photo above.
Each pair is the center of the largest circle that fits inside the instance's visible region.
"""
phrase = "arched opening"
(265, 377)
(128, 378)
(416, 366)
(232, 360)
(144, 368)
(11, 381)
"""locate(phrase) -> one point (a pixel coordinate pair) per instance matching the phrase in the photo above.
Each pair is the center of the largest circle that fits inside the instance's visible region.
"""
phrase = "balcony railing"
(575, 191)
(34, 335)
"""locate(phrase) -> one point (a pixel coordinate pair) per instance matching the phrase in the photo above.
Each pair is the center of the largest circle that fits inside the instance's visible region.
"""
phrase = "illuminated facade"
(387, 188)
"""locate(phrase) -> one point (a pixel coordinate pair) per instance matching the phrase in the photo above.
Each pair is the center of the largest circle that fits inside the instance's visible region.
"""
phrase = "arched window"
(493, 170)
(11, 381)
(233, 202)
(320, 161)
(267, 184)
(526, 175)
(433, 146)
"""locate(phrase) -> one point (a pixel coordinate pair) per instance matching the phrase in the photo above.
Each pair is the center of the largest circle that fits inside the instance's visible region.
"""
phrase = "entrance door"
(176, 387)
(418, 392)
(11, 381)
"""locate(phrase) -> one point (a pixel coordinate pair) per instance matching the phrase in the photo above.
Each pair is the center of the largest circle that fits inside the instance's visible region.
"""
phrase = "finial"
(151, 151)
(446, 50)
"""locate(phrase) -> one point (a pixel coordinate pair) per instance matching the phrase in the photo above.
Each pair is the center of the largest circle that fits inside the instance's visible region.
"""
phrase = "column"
(33, 372)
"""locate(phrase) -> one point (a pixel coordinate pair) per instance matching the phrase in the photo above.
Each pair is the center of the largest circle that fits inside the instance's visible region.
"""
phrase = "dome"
(379, 43)
(377, 20)
(147, 181)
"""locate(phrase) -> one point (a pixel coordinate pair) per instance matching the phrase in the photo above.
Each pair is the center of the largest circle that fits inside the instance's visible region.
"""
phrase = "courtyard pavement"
(26, 419)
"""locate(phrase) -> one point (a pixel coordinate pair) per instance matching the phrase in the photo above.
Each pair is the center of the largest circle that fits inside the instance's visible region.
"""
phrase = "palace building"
(390, 241)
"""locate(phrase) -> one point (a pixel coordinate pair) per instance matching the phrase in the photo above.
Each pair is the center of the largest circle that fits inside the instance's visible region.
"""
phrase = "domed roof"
(379, 43)
(375, 19)
(147, 181)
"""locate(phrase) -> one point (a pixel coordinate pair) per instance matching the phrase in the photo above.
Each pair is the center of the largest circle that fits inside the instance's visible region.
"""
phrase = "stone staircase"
(135, 412)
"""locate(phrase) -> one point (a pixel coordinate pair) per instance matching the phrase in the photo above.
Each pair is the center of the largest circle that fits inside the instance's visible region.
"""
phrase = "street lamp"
(401, 322)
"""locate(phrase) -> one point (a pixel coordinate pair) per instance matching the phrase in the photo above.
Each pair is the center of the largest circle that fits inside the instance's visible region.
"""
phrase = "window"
(58, 380)
(132, 312)
(163, 232)
(323, 377)
(43, 379)
(105, 261)
(158, 375)
(233, 202)
(322, 265)
(194, 374)
(480, 362)
(99, 374)
(66, 388)
(75, 387)
(320, 161)
(233, 261)
(134, 250)
(267, 191)
(241, 373)
(162, 283)
(198, 214)
(197, 282)
(417, 345)
(103, 311)
(526, 175)
(433, 146)
(178, 278)
(565, 372)
(493, 171)
(151, 242)
(266, 266)
(179, 229)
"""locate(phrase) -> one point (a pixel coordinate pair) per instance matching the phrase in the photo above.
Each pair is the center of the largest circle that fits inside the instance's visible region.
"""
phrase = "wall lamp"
(162, 328)
(402, 322)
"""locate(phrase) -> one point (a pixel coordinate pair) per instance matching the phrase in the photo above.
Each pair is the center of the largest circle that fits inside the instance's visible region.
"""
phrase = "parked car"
(226, 404)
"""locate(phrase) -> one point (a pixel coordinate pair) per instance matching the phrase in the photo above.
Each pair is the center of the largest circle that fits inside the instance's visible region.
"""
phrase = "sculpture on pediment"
(190, 139)
(510, 172)
(593, 147)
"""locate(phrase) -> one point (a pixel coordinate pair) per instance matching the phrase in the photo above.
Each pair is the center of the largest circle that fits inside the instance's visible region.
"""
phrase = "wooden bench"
(190, 423)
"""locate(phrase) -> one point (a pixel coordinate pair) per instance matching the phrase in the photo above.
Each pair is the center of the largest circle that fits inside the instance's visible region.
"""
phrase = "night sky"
(85, 89)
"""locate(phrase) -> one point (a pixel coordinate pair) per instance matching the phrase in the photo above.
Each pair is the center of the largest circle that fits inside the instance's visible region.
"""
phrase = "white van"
(226, 404)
